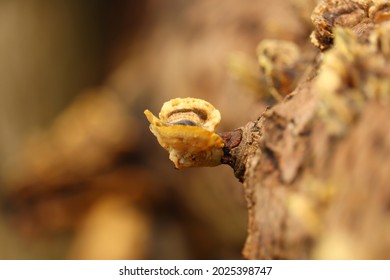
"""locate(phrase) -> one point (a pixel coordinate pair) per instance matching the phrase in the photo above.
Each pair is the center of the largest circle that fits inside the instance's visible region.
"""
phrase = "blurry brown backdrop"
(81, 175)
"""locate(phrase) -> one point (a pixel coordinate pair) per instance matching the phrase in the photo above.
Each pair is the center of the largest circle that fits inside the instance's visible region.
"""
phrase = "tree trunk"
(316, 166)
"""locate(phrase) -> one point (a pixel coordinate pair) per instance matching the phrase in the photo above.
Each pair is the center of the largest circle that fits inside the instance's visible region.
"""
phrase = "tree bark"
(316, 166)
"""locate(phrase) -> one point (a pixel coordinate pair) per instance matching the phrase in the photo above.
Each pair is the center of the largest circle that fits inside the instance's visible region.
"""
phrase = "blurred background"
(81, 176)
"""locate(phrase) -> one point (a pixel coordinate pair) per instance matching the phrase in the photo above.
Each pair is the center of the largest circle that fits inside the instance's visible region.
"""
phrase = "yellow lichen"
(352, 73)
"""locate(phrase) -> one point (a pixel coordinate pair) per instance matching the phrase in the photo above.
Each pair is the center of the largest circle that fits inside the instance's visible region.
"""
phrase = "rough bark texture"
(317, 165)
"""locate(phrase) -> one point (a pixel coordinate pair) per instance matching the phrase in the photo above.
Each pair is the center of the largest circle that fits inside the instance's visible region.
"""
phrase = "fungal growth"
(279, 64)
(360, 16)
(185, 128)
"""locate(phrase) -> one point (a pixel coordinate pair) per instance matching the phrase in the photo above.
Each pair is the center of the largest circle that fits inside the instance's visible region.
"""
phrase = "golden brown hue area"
(82, 177)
